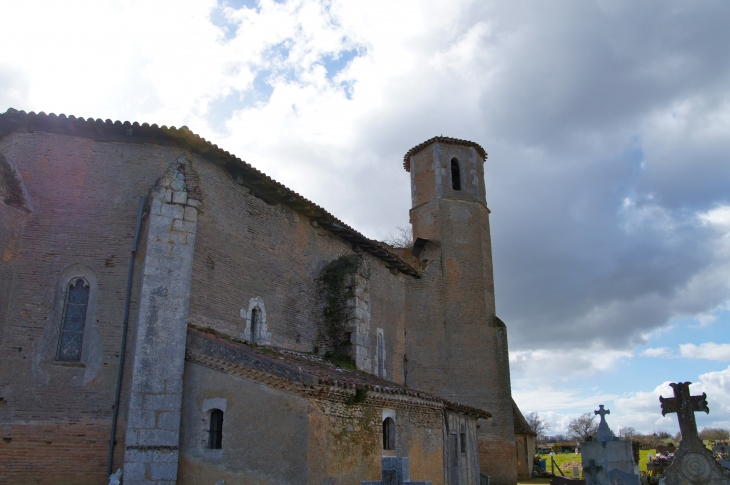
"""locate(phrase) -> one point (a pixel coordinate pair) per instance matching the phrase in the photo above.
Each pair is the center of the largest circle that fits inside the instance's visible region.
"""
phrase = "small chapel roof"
(305, 374)
(260, 184)
(441, 139)
(520, 423)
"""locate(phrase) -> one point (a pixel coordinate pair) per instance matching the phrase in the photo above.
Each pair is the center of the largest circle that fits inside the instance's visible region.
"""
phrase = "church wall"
(55, 416)
(264, 431)
(346, 442)
(249, 252)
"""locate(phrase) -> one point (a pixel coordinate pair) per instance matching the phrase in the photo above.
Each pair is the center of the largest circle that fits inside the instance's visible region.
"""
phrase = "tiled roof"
(441, 139)
(260, 184)
(520, 423)
(306, 374)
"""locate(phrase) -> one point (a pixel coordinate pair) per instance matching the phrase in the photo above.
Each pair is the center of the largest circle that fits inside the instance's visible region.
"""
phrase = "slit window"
(215, 432)
(74, 320)
(462, 437)
(381, 356)
(455, 174)
(388, 434)
(255, 317)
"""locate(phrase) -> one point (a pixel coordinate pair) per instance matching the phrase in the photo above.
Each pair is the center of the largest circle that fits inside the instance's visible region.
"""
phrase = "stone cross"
(603, 412)
(593, 469)
(685, 406)
(693, 463)
(604, 432)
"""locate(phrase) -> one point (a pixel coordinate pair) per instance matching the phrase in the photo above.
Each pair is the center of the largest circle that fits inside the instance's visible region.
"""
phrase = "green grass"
(562, 458)
(643, 458)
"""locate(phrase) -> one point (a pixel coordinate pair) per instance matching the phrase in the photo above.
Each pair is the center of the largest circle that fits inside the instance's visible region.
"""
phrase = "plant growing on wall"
(336, 290)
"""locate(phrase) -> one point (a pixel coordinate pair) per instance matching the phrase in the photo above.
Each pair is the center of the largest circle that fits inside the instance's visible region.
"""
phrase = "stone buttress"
(153, 422)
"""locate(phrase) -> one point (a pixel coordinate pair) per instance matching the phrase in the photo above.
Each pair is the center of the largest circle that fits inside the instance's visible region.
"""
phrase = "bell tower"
(456, 345)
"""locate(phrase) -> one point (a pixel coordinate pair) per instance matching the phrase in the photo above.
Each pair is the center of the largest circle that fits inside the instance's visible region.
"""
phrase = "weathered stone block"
(160, 223)
(184, 226)
(180, 289)
(134, 471)
(168, 420)
(162, 402)
(172, 211)
(191, 214)
(155, 207)
(147, 384)
(158, 437)
(179, 198)
(173, 386)
(182, 251)
(163, 471)
(138, 456)
(140, 418)
(168, 196)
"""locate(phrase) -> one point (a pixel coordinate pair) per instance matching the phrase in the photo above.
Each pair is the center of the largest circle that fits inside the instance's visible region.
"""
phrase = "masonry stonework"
(153, 423)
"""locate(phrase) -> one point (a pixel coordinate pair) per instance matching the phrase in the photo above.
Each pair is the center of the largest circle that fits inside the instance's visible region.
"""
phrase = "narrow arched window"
(455, 174)
(381, 355)
(388, 434)
(215, 431)
(462, 436)
(255, 317)
(74, 320)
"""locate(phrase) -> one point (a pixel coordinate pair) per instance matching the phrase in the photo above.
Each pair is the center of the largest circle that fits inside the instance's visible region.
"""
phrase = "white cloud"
(708, 350)
(564, 365)
(717, 386)
(661, 352)
(642, 410)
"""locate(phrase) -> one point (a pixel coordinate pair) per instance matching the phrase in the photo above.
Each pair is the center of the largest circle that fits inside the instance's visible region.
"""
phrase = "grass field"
(563, 458)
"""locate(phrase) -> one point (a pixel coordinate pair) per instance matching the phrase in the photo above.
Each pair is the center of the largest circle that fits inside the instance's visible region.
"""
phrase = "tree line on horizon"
(585, 425)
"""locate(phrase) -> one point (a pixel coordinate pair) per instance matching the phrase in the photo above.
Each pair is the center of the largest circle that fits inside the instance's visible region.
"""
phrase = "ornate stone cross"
(693, 463)
(685, 406)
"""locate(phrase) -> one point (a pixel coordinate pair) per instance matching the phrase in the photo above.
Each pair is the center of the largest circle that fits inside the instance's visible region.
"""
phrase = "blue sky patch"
(335, 63)
(238, 4)
(221, 109)
(219, 19)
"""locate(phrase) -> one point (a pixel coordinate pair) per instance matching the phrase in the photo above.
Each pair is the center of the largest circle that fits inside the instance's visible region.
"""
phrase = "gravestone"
(724, 449)
(395, 471)
(693, 463)
(619, 477)
(608, 460)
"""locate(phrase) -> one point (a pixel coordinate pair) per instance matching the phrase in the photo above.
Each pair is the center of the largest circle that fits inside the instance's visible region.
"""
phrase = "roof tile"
(441, 139)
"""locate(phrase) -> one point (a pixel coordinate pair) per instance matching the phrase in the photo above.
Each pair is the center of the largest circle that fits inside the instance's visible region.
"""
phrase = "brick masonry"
(85, 198)
(211, 250)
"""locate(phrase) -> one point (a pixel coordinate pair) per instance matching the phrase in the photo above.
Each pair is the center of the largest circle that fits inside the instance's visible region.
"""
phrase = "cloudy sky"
(607, 125)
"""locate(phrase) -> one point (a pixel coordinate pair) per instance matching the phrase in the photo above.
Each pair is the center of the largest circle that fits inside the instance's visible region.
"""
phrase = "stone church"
(168, 310)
